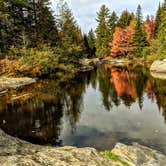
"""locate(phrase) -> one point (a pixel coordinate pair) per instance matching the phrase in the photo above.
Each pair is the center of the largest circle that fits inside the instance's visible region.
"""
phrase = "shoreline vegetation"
(38, 45)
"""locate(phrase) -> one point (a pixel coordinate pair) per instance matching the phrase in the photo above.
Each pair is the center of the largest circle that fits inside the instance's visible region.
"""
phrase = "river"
(98, 109)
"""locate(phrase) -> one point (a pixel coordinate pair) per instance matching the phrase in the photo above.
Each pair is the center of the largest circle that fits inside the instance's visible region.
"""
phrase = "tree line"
(32, 31)
(130, 34)
(32, 23)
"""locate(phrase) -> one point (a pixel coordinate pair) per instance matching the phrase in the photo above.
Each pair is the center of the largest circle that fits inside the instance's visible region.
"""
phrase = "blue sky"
(85, 10)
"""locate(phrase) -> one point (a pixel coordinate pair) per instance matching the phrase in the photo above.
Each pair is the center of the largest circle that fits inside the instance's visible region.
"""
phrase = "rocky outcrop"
(158, 69)
(14, 151)
(138, 155)
(8, 83)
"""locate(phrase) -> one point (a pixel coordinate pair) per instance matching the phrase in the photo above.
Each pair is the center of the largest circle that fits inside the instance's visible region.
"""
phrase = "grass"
(114, 157)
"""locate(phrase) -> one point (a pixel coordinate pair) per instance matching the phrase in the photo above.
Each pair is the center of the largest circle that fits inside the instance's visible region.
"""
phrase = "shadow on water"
(99, 108)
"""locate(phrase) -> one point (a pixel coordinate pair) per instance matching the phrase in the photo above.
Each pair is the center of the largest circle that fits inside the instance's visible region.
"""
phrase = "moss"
(114, 157)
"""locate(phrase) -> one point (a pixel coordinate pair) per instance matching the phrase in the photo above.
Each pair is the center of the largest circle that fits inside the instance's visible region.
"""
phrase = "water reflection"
(97, 108)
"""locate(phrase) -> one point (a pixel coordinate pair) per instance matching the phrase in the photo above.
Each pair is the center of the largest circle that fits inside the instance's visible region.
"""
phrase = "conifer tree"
(112, 22)
(102, 32)
(91, 42)
(125, 19)
(140, 37)
(158, 19)
(71, 38)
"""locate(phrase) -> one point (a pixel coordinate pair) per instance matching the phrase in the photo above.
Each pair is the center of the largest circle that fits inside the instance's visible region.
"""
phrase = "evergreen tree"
(125, 19)
(102, 32)
(112, 23)
(158, 19)
(46, 29)
(140, 37)
(91, 43)
(71, 38)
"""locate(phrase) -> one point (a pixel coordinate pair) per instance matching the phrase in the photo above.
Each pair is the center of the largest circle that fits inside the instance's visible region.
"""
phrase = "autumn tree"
(102, 32)
(122, 43)
(149, 27)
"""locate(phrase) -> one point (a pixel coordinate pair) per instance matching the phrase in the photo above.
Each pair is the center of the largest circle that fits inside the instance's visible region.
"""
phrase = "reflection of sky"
(85, 10)
(100, 128)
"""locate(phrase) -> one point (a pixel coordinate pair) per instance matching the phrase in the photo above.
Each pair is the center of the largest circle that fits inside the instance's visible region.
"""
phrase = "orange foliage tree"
(149, 28)
(122, 43)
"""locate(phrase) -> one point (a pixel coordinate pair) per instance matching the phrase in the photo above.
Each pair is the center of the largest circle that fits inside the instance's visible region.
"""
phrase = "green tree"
(112, 22)
(91, 42)
(158, 19)
(140, 38)
(102, 32)
(125, 19)
(71, 38)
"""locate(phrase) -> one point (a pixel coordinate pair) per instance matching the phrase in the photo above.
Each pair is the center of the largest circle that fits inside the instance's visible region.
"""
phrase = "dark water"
(98, 109)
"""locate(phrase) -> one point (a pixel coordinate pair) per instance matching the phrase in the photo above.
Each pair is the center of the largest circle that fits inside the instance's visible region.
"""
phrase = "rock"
(158, 66)
(89, 62)
(8, 83)
(138, 155)
(158, 69)
(14, 151)
(161, 76)
(86, 68)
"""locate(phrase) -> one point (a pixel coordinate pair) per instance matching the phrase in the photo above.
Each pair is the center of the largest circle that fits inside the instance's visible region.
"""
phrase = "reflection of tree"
(160, 93)
(125, 83)
(38, 119)
(73, 98)
(141, 80)
(104, 86)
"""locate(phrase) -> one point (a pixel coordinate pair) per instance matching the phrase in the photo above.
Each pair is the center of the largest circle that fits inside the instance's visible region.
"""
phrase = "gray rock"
(15, 152)
(8, 83)
(138, 155)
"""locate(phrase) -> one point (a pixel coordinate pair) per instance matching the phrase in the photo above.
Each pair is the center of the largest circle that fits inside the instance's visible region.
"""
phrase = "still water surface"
(98, 109)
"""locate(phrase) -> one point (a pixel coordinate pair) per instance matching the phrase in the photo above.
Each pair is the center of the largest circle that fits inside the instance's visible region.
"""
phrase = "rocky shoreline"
(14, 151)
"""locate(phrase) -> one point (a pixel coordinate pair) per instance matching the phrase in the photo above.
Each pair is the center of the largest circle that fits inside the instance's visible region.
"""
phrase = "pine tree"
(140, 37)
(158, 19)
(102, 32)
(112, 23)
(125, 19)
(71, 38)
(91, 42)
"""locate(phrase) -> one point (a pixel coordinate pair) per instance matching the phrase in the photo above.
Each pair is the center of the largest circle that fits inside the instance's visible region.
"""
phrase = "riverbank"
(14, 151)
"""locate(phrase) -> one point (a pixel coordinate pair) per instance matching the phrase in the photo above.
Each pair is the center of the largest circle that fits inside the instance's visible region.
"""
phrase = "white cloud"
(85, 10)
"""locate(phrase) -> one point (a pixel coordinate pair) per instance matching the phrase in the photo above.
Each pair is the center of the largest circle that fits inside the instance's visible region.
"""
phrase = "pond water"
(98, 109)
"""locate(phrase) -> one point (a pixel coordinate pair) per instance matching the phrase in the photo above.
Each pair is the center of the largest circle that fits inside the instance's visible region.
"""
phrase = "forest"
(35, 40)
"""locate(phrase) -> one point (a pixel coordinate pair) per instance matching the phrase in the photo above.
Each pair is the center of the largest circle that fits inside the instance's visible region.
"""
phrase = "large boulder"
(158, 66)
(158, 69)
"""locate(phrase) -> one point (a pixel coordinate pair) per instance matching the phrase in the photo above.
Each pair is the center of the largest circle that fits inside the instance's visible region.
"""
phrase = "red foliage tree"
(122, 42)
(149, 28)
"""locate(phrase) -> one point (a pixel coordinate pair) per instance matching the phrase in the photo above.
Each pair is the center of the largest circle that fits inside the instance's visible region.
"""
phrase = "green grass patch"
(114, 157)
